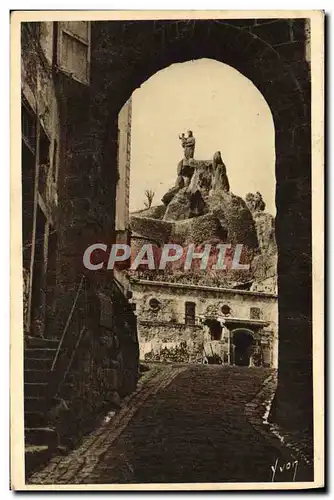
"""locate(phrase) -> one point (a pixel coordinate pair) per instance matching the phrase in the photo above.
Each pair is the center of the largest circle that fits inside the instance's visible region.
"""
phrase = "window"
(226, 309)
(73, 50)
(255, 313)
(190, 311)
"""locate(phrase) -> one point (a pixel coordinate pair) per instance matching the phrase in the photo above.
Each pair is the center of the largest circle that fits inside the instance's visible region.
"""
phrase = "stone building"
(202, 324)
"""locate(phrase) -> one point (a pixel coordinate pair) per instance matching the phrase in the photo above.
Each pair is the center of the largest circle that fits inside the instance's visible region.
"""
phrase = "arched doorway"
(243, 341)
(214, 328)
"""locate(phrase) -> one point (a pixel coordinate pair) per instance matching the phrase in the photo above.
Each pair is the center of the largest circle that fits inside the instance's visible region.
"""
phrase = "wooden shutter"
(73, 54)
(255, 313)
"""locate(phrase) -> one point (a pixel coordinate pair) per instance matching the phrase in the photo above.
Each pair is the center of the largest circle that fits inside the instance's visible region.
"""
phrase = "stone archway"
(272, 54)
(242, 339)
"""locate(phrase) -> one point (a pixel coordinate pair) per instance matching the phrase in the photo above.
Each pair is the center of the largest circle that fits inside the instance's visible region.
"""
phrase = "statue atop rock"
(197, 178)
(185, 168)
(188, 143)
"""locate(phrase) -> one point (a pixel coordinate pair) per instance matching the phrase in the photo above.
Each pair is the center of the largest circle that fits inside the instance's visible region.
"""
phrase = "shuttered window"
(73, 49)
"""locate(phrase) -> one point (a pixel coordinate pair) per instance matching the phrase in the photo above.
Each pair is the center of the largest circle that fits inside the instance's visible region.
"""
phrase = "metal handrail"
(83, 329)
(67, 323)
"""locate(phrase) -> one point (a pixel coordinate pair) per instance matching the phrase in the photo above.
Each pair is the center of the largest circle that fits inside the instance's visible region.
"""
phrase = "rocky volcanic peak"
(200, 208)
(214, 211)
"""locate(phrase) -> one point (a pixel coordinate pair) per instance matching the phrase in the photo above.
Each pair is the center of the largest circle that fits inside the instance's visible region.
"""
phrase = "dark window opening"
(215, 330)
(190, 311)
(243, 341)
(226, 309)
(154, 304)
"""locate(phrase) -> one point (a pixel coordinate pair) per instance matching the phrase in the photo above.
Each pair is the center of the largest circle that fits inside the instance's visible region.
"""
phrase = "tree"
(149, 194)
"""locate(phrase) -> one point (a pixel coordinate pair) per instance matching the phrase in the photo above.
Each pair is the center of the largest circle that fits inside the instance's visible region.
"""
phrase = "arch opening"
(243, 340)
(222, 107)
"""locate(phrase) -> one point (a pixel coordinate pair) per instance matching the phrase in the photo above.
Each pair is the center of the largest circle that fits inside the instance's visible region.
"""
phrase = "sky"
(226, 113)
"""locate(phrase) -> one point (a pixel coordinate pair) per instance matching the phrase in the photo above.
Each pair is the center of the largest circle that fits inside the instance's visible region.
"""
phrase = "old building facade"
(202, 324)
(81, 347)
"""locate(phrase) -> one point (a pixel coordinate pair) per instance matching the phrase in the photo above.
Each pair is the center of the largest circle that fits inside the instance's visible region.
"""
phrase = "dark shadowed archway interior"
(243, 341)
(215, 329)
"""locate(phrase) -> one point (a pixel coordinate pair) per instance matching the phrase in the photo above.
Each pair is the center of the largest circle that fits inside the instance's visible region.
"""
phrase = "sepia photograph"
(166, 257)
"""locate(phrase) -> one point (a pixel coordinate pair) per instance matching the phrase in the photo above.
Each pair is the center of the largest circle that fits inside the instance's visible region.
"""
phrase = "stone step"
(40, 342)
(36, 457)
(37, 364)
(38, 436)
(38, 389)
(35, 419)
(36, 403)
(43, 389)
(36, 375)
(40, 353)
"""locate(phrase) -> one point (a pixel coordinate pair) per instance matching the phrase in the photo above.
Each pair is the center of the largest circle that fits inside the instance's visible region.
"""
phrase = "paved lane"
(184, 424)
(195, 430)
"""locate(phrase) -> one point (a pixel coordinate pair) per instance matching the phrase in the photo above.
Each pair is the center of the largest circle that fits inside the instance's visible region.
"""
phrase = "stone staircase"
(41, 439)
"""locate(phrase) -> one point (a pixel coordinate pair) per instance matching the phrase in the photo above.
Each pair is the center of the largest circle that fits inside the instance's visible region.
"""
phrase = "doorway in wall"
(243, 341)
(215, 330)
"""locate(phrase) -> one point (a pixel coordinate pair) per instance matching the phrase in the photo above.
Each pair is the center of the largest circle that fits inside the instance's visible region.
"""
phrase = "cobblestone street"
(184, 424)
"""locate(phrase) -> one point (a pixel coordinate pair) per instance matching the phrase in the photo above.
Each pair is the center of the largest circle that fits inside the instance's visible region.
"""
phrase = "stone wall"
(167, 341)
(105, 366)
(274, 55)
(164, 324)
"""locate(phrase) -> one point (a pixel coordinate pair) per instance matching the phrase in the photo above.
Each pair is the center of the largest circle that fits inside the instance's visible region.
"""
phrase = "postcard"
(167, 233)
